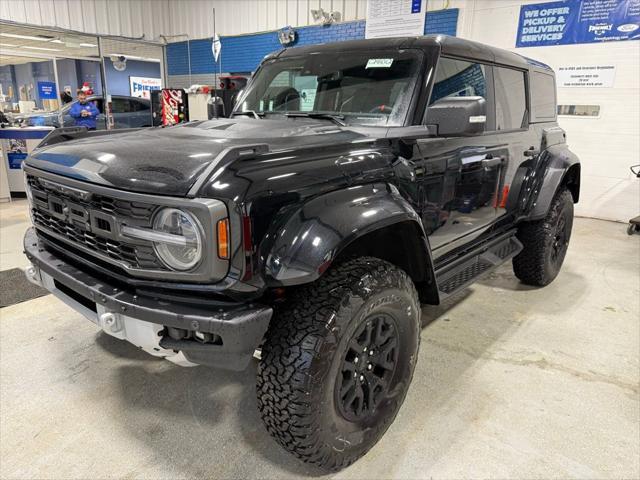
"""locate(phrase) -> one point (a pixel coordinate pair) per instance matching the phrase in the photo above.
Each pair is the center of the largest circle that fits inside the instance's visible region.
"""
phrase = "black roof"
(448, 45)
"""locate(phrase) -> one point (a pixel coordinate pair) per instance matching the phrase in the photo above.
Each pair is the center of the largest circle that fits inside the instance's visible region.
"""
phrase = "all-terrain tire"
(313, 362)
(545, 243)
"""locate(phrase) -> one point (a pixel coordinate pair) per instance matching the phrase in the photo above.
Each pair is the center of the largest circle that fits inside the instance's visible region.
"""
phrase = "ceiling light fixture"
(88, 45)
(25, 37)
(42, 48)
(325, 18)
(133, 57)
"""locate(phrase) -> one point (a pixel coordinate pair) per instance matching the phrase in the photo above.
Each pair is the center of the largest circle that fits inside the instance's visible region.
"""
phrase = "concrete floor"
(512, 382)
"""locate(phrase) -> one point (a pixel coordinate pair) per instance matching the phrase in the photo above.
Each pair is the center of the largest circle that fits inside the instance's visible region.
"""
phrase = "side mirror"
(215, 108)
(458, 116)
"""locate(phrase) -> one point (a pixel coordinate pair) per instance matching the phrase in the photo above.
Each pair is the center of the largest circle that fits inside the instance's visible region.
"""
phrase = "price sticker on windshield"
(379, 62)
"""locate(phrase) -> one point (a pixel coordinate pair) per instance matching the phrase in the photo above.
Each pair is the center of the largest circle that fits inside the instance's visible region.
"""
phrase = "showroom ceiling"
(33, 41)
(19, 40)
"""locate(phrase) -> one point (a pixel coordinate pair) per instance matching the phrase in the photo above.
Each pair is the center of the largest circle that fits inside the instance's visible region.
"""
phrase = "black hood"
(168, 161)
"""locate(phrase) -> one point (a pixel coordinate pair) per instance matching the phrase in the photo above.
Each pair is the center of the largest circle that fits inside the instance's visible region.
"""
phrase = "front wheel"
(545, 243)
(338, 360)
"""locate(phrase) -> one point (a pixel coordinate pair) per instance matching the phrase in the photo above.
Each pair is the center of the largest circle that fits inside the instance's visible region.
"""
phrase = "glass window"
(28, 92)
(121, 105)
(579, 110)
(457, 78)
(360, 87)
(511, 98)
(543, 97)
(140, 106)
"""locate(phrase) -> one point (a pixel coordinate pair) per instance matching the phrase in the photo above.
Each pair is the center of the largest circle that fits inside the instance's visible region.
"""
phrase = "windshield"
(366, 88)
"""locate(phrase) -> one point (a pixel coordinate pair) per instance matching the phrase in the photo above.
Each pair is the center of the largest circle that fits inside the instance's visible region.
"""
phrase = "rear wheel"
(545, 243)
(338, 360)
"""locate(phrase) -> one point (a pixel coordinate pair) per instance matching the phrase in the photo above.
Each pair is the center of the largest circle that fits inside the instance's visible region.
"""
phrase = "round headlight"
(182, 250)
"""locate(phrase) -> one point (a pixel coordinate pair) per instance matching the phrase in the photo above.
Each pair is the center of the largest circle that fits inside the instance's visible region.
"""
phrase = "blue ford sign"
(47, 91)
(578, 21)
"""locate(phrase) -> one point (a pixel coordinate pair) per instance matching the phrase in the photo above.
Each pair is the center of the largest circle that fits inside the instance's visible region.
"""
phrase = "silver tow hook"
(110, 322)
(33, 275)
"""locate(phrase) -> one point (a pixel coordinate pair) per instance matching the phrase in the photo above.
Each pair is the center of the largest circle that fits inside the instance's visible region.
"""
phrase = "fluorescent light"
(8, 45)
(24, 37)
(42, 48)
(57, 40)
(133, 57)
(88, 45)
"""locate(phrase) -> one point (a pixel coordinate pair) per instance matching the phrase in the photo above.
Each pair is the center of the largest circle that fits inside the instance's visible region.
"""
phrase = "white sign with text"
(141, 86)
(597, 76)
(395, 18)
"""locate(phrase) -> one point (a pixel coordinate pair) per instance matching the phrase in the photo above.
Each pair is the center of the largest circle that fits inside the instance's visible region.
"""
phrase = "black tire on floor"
(545, 243)
(337, 362)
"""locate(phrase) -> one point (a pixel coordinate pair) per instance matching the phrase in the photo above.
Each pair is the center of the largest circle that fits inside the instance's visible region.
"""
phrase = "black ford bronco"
(353, 182)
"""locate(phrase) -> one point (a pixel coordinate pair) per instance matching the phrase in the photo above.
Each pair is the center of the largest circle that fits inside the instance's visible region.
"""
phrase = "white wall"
(247, 16)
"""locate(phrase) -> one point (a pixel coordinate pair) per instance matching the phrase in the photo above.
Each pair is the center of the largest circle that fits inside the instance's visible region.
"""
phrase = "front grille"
(90, 221)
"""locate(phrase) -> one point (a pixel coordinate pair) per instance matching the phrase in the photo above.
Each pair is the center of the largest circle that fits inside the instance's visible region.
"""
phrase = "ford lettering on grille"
(92, 222)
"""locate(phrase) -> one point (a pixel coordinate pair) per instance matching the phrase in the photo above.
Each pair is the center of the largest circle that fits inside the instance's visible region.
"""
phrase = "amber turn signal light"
(223, 238)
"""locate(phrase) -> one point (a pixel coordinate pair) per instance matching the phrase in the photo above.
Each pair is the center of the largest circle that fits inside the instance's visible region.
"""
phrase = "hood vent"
(224, 126)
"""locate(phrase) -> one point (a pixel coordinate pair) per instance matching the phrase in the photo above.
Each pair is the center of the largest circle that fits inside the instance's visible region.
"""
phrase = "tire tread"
(292, 342)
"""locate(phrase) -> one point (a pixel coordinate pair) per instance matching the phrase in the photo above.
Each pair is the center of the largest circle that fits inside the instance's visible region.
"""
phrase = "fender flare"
(559, 162)
(537, 181)
(304, 245)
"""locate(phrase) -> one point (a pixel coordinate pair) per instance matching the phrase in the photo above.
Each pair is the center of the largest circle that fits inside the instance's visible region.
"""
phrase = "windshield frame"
(406, 117)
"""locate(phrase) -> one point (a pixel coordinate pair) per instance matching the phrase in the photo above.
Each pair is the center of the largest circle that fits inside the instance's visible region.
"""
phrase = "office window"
(579, 110)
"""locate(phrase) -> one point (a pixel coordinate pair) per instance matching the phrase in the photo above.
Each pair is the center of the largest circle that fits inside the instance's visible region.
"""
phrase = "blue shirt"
(76, 112)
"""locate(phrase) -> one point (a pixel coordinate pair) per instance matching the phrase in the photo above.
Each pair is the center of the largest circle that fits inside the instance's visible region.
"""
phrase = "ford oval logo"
(628, 27)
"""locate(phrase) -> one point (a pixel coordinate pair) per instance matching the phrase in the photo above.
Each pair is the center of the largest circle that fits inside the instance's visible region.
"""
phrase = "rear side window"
(457, 78)
(511, 98)
(121, 105)
(543, 97)
(140, 106)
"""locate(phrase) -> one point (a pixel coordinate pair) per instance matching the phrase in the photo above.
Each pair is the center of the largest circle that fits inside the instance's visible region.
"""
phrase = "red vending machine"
(175, 106)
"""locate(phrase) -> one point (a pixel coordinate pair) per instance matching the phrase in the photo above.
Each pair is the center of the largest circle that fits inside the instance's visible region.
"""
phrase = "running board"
(463, 271)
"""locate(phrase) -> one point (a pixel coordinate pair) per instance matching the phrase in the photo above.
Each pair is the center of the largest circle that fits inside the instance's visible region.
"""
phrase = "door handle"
(491, 162)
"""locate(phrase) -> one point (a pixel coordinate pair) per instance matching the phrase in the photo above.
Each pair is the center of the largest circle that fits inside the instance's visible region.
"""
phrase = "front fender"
(305, 244)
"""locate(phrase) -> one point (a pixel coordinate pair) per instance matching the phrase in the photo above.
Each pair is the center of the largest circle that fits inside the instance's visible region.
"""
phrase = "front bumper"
(141, 319)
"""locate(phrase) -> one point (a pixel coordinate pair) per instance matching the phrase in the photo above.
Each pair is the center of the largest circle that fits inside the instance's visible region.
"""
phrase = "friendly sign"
(142, 86)
(578, 21)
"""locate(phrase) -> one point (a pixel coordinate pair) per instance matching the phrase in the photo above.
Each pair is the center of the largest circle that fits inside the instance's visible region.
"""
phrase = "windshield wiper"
(337, 119)
(248, 112)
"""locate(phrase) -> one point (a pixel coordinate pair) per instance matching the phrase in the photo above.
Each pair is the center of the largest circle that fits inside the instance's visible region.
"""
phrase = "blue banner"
(47, 91)
(578, 21)
(15, 160)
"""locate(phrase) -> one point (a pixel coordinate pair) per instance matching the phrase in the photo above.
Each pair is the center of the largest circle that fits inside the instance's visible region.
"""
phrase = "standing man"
(84, 112)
